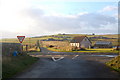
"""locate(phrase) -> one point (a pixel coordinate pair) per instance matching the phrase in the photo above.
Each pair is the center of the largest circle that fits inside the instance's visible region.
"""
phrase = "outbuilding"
(103, 44)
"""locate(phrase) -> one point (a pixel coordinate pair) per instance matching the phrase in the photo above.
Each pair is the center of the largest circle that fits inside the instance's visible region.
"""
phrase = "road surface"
(69, 66)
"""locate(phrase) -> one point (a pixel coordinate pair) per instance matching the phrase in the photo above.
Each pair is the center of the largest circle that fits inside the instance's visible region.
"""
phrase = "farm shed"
(103, 44)
(81, 42)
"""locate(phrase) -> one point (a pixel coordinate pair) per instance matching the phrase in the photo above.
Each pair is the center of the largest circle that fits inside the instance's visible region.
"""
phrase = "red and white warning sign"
(20, 38)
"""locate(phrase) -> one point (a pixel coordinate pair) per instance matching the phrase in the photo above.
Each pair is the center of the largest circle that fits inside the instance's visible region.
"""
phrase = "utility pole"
(29, 43)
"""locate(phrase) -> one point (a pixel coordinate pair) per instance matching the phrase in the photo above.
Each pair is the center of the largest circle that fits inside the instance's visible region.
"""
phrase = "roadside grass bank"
(12, 65)
(88, 50)
(34, 49)
(115, 63)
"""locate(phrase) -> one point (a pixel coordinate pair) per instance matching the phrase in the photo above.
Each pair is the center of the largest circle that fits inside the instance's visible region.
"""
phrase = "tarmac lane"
(69, 66)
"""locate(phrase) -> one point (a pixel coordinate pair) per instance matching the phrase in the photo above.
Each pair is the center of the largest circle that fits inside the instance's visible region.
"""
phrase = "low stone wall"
(9, 48)
(61, 45)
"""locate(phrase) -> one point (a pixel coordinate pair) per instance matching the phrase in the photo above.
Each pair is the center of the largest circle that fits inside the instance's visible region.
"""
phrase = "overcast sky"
(36, 17)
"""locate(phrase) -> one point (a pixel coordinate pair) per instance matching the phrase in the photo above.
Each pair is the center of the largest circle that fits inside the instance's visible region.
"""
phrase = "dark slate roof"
(103, 42)
(77, 39)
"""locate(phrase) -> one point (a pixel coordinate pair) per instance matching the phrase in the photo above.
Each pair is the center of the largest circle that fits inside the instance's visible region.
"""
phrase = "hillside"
(32, 40)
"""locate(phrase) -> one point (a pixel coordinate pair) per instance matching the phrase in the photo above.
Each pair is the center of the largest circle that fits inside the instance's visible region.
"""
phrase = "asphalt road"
(69, 66)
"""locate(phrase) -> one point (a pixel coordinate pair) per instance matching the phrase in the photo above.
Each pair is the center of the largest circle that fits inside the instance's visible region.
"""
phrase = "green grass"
(33, 49)
(13, 65)
(88, 50)
(114, 63)
(26, 40)
(57, 50)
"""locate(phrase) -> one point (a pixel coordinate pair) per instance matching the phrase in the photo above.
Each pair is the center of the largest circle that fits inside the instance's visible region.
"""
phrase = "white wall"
(75, 44)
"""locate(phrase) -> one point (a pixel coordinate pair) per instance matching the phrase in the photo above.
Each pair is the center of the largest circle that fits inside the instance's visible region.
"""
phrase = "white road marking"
(75, 56)
(53, 59)
(57, 59)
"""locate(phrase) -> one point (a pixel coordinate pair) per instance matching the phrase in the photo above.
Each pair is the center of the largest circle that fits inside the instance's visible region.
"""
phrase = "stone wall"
(9, 48)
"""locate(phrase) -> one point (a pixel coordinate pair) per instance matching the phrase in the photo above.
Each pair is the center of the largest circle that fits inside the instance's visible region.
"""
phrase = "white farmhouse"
(81, 42)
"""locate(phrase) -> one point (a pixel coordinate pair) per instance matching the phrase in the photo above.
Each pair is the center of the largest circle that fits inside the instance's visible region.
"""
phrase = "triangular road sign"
(20, 38)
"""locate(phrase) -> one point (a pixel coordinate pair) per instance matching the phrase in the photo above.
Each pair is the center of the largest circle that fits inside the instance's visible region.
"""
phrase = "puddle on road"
(58, 52)
(105, 55)
(94, 55)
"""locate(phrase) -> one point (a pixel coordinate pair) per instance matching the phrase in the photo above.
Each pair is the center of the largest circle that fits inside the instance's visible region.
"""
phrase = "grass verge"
(12, 65)
(114, 63)
(34, 49)
(88, 50)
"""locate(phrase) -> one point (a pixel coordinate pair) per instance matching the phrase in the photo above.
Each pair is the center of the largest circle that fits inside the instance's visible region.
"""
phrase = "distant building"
(81, 42)
(101, 37)
(103, 44)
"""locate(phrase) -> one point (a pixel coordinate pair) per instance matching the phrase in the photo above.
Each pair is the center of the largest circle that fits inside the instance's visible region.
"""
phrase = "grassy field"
(34, 49)
(12, 65)
(88, 50)
(64, 46)
(29, 41)
(115, 63)
(32, 41)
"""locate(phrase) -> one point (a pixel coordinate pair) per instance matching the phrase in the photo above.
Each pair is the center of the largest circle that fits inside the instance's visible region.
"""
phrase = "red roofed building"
(81, 42)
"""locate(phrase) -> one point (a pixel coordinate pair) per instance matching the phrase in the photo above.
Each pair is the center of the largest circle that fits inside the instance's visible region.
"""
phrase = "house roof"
(103, 42)
(77, 39)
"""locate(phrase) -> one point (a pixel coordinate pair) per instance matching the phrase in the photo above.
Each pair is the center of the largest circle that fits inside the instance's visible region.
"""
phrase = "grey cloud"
(34, 12)
(92, 21)
(96, 20)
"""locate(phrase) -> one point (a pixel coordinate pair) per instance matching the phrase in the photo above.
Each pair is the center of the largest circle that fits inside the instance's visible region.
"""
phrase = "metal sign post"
(21, 38)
